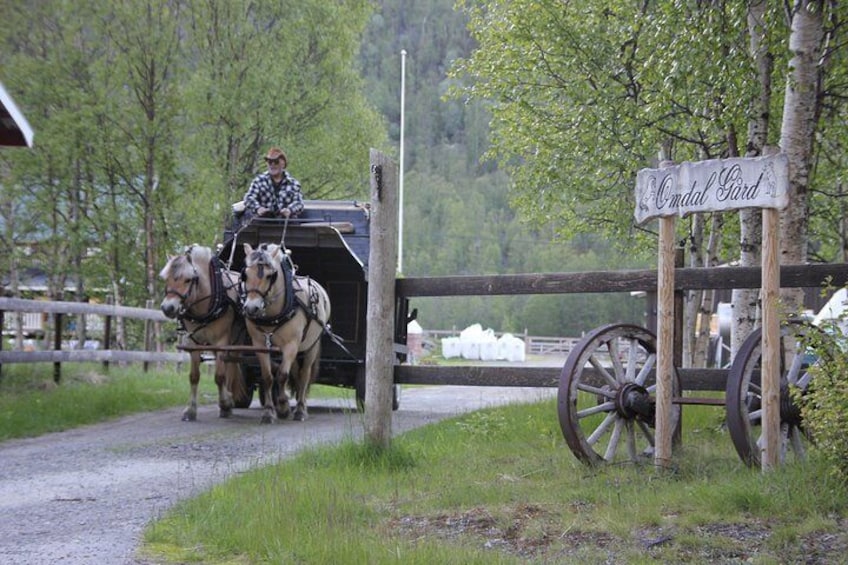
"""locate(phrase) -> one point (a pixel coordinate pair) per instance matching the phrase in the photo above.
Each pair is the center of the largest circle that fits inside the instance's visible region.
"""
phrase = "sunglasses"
(273, 161)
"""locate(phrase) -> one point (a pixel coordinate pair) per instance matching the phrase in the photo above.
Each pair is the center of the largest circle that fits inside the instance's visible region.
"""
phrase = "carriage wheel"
(744, 392)
(250, 377)
(607, 395)
(359, 387)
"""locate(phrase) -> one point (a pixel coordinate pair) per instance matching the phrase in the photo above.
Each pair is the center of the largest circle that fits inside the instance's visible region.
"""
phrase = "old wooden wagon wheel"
(744, 393)
(607, 395)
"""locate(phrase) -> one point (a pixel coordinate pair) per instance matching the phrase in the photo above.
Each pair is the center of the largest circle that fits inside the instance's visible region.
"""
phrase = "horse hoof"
(189, 417)
(225, 412)
(299, 416)
(266, 419)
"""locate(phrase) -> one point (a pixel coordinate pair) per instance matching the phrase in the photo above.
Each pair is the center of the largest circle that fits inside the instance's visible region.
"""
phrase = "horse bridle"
(263, 294)
(170, 291)
(217, 295)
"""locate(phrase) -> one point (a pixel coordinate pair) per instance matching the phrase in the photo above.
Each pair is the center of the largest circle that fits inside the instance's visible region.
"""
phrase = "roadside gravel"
(84, 496)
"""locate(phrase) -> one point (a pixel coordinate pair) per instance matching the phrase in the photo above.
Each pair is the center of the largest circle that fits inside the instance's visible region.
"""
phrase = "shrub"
(824, 405)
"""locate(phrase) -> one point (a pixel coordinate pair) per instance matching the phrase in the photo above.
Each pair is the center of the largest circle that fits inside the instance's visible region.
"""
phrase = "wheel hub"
(789, 411)
(633, 401)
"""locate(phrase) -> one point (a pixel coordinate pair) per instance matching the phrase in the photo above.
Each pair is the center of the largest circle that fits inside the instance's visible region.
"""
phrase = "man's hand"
(262, 211)
(285, 212)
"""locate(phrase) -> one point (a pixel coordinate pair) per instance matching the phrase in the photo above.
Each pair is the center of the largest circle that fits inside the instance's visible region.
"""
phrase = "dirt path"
(84, 496)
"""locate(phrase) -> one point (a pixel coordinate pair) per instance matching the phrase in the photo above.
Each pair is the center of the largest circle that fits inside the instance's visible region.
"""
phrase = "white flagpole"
(400, 176)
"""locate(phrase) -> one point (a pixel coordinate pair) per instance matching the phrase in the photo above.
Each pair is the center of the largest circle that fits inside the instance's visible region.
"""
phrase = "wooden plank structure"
(713, 186)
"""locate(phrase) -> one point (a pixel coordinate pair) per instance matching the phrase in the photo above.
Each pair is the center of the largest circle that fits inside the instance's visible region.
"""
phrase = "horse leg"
(269, 414)
(289, 354)
(190, 413)
(305, 375)
(225, 398)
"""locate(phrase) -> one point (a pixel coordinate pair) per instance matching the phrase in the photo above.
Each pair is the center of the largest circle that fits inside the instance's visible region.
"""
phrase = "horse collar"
(289, 304)
(220, 300)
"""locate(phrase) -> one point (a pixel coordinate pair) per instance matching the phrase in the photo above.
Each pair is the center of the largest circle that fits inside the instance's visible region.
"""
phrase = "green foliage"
(152, 118)
(584, 94)
(824, 405)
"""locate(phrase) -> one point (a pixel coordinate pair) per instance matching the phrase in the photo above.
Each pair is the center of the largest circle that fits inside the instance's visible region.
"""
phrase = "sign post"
(715, 186)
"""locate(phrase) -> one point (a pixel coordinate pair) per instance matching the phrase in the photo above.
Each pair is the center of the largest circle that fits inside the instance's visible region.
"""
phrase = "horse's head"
(182, 274)
(260, 278)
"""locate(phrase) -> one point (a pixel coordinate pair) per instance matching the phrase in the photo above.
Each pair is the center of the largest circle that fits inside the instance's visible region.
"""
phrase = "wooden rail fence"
(791, 276)
(58, 355)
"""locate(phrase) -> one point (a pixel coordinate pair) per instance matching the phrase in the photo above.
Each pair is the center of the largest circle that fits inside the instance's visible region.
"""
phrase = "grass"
(494, 486)
(32, 404)
(499, 486)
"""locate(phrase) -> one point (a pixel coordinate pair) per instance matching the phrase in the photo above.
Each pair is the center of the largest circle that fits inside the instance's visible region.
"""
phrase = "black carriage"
(329, 242)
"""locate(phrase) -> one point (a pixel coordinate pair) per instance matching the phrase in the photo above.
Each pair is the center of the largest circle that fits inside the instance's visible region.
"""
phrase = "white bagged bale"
(470, 339)
(488, 346)
(503, 346)
(512, 348)
(451, 347)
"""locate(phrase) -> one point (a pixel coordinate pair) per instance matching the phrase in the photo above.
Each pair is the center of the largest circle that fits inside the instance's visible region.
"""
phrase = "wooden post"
(147, 334)
(380, 315)
(57, 345)
(665, 342)
(769, 456)
(107, 334)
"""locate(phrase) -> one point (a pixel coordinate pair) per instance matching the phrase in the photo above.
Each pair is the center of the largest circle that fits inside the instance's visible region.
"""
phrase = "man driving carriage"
(274, 193)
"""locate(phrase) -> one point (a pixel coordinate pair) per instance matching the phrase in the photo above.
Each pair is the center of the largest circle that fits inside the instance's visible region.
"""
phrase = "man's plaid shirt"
(263, 194)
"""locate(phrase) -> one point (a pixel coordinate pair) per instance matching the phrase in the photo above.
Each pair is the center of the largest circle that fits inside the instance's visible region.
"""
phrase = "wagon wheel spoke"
(598, 366)
(609, 455)
(795, 370)
(632, 361)
(601, 429)
(646, 369)
(615, 360)
(606, 400)
(646, 431)
(804, 381)
(631, 442)
(797, 439)
(605, 407)
(598, 391)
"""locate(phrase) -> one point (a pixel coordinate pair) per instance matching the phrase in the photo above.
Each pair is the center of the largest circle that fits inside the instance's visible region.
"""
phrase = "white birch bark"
(797, 133)
(744, 302)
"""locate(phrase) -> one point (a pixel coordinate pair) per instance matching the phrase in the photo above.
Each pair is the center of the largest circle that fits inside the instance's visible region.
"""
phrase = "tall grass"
(32, 404)
(499, 486)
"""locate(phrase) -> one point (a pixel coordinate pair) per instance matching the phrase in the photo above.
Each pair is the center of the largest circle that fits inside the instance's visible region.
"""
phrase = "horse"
(289, 312)
(203, 296)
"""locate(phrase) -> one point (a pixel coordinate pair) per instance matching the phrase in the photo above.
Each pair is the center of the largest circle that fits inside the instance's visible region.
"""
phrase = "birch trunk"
(797, 132)
(745, 302)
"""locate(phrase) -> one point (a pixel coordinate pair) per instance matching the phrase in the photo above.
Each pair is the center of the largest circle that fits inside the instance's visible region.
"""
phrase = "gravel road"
(84, 496)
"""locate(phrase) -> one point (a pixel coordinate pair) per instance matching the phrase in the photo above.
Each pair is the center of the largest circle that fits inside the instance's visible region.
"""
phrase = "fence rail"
(791, 276)
(107, 312)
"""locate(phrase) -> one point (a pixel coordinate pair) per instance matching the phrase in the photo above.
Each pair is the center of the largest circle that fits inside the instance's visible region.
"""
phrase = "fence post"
(380, 316)
(107, 333)
(57, 346)
(147, 337)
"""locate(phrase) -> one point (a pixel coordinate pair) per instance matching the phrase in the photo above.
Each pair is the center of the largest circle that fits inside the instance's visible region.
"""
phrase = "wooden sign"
(712, 186)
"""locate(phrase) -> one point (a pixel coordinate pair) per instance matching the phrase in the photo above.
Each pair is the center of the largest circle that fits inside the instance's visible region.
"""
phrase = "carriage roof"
(338, 228)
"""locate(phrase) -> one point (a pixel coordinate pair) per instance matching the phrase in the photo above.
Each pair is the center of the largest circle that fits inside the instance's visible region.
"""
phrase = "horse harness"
(221, 301)
(292, 303)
